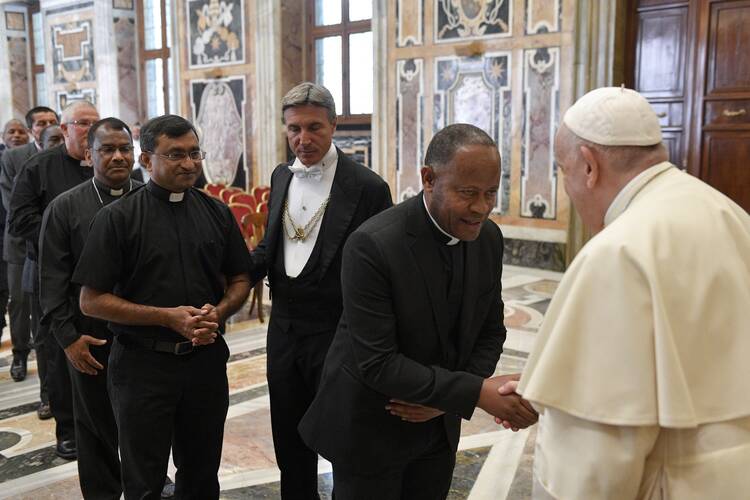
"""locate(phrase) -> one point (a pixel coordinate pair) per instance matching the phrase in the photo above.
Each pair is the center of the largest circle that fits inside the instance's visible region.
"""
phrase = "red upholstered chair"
(266, 196)
(244, 198)
(227, 193)
(214, 189)
(239, 210)
(256, 223)
(262, 207)
(258, 191)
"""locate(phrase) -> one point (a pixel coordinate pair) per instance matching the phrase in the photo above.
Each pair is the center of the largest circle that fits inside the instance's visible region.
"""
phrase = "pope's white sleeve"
(577, 458)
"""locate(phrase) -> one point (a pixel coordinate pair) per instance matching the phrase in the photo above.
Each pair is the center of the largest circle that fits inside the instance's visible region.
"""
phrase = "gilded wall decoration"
(542, 16)
(477, 90)
(15, 21)
(19, 74)
(459, 20)
(409, 134)
(73, 52)
(216, 32)
(64, 98)
(409, 22)
(218, 114)
(126, 70)
(541, 107)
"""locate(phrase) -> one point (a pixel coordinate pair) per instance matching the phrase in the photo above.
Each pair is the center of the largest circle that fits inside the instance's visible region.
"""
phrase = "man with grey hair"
(316, 201)
(42, 178)
(421, 332)
(640, 370)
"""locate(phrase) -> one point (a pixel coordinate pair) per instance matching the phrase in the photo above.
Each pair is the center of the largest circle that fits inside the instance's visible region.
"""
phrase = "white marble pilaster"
(380, 88)
(105, 57)
(268, 130)
(6, 111)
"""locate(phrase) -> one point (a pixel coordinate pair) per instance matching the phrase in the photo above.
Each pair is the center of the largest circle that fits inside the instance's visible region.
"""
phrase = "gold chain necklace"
(301, 233)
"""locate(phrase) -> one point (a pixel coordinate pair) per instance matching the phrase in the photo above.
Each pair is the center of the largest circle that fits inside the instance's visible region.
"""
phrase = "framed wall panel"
(409, 133)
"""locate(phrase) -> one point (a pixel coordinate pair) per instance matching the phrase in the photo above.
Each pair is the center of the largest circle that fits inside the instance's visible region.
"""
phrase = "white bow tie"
(302, 172)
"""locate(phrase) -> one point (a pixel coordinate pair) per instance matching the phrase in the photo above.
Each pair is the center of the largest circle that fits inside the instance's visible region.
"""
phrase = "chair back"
(239, 210)
(255, 223)
(214, 189)
(262, 207)
(227, 193)
(258, 191)
(243, 198)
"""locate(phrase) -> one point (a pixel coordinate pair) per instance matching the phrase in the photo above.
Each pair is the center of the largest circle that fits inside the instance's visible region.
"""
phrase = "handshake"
(498, 398)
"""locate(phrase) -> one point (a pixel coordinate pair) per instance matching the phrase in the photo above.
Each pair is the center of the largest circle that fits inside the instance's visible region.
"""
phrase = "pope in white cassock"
(641, 372)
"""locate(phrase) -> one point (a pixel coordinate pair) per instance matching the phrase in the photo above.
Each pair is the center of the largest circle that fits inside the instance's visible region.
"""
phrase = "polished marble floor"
(492, 463)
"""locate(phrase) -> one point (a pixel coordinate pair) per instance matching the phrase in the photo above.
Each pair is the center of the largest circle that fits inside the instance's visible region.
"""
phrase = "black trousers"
(19, 311)
(162, 400)
(57, 377)
(426, 475)
(295, 364)
(96, 431)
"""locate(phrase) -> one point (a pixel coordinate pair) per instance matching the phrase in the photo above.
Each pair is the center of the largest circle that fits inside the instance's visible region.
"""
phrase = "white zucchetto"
(614, 116)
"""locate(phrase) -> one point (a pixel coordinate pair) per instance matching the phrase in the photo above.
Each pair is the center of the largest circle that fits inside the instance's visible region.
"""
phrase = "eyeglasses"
(196, 155)
(80, 123)
(110, 150)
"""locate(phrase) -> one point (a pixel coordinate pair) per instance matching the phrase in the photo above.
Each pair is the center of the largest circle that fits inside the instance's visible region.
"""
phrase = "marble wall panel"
(218, 109)
(409, 133)
(460, 20)
(15, 21)
(127, 74)
(542, 16)
(63, 98)
(122, 4)
(73, 52)
(409, 22)
(477, 90)
(215, 32)
(357, 145)
(19, 74)
(541, 107)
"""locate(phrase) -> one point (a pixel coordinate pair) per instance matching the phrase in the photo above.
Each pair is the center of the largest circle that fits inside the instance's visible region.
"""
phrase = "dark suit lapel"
(345, 194)
(467, 334)
(427, 256)
(275, 211)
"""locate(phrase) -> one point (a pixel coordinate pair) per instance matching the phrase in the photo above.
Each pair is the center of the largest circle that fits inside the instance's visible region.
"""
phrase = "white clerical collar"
(324, 164)
(38, 146)
(632, 188)
(175, 197)
(452, 240)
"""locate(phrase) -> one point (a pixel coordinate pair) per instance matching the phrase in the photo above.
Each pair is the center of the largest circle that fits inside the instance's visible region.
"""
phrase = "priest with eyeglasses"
(166, 266)
(86, 341)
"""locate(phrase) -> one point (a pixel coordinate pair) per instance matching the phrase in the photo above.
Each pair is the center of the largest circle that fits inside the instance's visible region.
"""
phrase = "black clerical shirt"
(65, 228)
(43, 177)
(153, 251)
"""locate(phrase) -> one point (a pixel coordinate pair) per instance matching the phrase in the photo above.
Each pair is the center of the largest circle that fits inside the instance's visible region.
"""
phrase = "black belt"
(177, 348)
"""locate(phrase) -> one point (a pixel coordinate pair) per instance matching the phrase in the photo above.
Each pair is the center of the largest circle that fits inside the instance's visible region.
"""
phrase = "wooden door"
(660, 48)
(722, 103)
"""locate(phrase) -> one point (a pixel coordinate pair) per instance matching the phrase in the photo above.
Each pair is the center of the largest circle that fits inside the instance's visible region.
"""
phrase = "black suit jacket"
(14, 248)
(357, 194)
(393, 340)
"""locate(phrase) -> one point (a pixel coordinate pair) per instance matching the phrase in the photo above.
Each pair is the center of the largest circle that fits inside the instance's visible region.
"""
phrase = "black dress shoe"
(66, 449)
(43, 411)
(18, 368)
(168, 490)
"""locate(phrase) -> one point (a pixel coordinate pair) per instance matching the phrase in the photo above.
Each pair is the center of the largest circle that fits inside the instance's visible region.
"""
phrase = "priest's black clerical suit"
(42, 179)
(65, 227)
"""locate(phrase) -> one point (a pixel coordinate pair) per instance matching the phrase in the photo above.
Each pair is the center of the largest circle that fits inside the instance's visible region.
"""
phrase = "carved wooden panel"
(734, 113)
(725, 164)
(672, 140)
(541, 107)
(409, 22)
(409, 134)
(729, 48)
(661, 52)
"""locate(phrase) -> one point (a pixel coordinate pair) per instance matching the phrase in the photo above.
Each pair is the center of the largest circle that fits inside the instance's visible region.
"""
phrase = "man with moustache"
(421, 332)
(86, 341)
(166, 266)
(41, 180)
(14, 253)
(315, 203)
